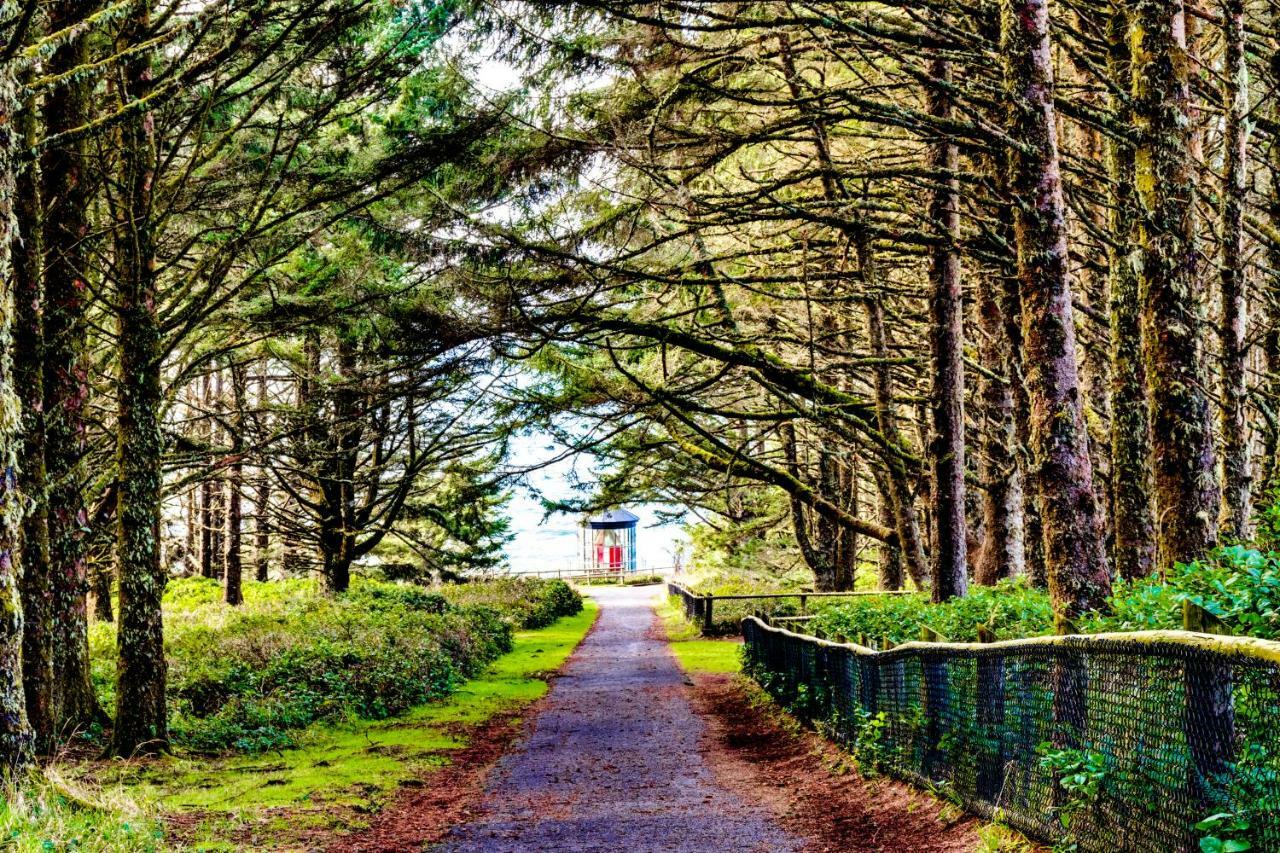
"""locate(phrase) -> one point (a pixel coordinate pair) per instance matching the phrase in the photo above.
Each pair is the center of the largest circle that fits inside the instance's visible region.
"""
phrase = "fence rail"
(702, 611)
(1113, 742)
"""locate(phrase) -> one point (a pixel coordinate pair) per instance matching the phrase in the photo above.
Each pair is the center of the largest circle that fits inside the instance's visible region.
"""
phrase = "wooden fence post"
(707, 614)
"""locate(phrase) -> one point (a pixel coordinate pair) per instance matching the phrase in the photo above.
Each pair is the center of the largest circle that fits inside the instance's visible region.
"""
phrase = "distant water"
(554, 543)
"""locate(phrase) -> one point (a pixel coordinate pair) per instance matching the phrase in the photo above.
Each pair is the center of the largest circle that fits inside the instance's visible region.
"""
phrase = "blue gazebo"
(609, 542)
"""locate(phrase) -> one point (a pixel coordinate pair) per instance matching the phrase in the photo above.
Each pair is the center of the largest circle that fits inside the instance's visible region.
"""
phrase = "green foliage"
(249, 678)
(1224, 833)
(1238, 585)
(341, 771)
(48, 813)
(524, 602)
(1009, 609)
(1080, 775)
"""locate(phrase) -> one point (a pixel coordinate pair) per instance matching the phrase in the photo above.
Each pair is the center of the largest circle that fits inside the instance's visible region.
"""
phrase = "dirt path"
(614, 760)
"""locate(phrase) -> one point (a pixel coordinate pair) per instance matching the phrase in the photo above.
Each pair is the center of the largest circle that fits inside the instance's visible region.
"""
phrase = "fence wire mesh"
(1107, 744)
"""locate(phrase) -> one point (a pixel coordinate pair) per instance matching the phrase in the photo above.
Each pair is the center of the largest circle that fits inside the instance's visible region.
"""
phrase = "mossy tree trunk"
(38, 639)
(206, 487)
(1075, 558)
(1236, 471)
(1186, 485)
(1002, 554)
(15, 731)
(1133, 516)
(897, 489)
(67, 241)
(141, 724)
(890, 555)
(262, 497)
(232, 559)
(946, 340)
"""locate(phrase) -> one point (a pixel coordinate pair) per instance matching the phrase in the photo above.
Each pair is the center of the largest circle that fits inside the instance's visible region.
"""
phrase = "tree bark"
(68, 197)
(890, 556)
(232, 588)
(141, 724)
(15, 732)
(1075, 559)
(1236, 472)
(946, 340)
(206, 486)
(262, 502)
(1133, 514)
(39, 634)
(1002, 554)
(1186, 486)
(898, 490)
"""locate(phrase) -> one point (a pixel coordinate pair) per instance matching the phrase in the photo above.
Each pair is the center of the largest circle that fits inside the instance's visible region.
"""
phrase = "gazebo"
(609, 542)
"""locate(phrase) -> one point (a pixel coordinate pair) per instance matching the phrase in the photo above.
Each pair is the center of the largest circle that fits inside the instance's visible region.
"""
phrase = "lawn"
(695, 653)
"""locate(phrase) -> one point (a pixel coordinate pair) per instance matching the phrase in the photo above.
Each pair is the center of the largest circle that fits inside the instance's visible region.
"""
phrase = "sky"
(554, 544)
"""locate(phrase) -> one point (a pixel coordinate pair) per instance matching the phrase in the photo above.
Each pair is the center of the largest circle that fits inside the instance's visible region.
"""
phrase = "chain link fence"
(1153, 741)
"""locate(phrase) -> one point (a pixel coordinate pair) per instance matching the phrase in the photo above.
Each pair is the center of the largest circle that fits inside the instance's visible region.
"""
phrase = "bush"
(1238, 585)
(526, 603)
(1008, 609)
(247, 678)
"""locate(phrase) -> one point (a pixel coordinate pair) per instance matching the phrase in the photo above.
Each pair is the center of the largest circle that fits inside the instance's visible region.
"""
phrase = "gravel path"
(612, 760)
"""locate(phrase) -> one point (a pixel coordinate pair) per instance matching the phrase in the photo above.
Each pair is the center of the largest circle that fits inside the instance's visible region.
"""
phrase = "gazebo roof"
(614, 518)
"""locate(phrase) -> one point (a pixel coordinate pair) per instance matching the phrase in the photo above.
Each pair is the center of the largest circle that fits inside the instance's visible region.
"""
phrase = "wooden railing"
(701, 609)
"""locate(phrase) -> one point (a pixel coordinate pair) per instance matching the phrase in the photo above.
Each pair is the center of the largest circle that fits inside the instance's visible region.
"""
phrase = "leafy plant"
(1080, 775)
(1224, 833)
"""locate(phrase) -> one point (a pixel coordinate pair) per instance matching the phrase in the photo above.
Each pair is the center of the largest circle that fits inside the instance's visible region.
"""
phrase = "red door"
(615, 556)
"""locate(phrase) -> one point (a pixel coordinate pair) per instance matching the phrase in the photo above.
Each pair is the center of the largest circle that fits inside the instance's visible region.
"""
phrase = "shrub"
(526, 603)
(247, 678)
(1238, 585)
(1008, 609)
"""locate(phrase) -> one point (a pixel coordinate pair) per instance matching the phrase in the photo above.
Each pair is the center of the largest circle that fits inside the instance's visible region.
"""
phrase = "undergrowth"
(51, 813)
(248, 678)
(1238, 585)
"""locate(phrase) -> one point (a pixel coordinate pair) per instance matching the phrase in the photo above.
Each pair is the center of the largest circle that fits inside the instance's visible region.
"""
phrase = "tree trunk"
(1075, 558)
(38, 639)
(103, 577)
(262, 500)
(1271, 336)
(1033, 530)
(898, 490)
(1186, 486)
(262, 528)
(1236, 476)
(890, 556)
(141, 724)
(1133, 514)
(1002, 554)
(64, 173)
(946, 340)
(206, 487)
(15, 732)
(233, 594)
(816, 558)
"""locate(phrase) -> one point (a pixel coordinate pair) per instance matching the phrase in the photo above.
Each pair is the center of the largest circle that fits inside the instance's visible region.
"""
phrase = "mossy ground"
(338, 772)
(694, 653)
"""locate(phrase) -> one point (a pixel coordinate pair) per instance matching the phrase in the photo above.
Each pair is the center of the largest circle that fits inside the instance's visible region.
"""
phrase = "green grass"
(694, 653)
(339, 772)
(709, 655)
(50, 813)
